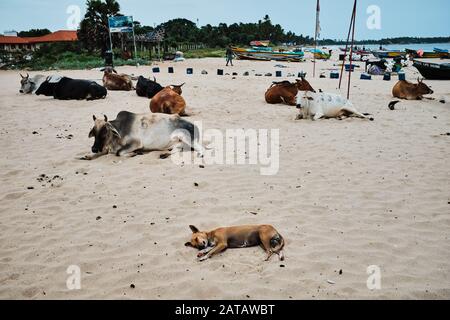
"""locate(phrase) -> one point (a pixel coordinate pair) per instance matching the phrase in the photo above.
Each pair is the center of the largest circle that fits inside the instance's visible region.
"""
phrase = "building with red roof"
(14, 43)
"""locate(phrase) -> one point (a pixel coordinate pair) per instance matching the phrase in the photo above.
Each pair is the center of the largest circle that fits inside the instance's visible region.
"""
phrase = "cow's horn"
(94, 117)
(28, 75)
(154, 78)
(22, 76)
(106, 118)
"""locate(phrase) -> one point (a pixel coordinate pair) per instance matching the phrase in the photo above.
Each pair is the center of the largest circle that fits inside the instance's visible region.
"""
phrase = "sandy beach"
(348, 195)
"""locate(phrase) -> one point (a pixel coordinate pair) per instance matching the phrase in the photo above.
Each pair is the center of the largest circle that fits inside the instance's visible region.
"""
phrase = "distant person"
(229, 55)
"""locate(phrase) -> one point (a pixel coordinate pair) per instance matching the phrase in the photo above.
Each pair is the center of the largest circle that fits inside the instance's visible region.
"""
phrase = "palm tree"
(94, 33)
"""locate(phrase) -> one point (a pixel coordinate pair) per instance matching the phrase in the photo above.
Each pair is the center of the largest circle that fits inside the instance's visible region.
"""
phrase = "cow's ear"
(193, 229)
(113, 130)
(94, 117)
(91, 133)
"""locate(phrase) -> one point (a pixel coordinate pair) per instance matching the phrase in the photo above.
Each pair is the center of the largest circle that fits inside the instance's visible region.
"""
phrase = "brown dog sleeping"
(213, 242)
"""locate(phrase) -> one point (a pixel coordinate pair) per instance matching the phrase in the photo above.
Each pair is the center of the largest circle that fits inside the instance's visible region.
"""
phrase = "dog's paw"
(200, 254)
(203, 258)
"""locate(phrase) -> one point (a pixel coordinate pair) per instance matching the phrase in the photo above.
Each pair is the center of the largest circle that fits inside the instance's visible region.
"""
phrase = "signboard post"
(122, 24)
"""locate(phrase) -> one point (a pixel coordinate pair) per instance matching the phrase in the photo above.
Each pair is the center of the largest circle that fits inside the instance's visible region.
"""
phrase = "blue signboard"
(120, 24)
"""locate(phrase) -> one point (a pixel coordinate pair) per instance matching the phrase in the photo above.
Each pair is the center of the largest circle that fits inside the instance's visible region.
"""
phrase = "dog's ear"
(194, 229)
(188, 244)
(94, 117)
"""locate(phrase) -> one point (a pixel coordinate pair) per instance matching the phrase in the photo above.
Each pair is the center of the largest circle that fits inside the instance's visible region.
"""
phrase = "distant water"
(425, 46)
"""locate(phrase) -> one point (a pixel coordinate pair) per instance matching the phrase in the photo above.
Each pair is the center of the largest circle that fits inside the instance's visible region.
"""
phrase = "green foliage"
(183, 31)
(205, 53)
(93, 32)
(34, 33)
(67, 56)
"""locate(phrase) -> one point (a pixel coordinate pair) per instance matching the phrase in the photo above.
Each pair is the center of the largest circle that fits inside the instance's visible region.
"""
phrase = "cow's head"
(423, 88)
(199, 240)
(303, 101)
(46, 88)
(109, 70)
(26, 85)
(177, 89)
(303, 85)
(104, 133)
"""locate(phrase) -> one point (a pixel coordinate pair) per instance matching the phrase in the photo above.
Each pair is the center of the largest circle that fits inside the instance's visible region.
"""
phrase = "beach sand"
(348, 195)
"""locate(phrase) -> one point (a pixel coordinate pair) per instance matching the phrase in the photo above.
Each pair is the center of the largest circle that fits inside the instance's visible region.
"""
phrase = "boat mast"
(351, 32)
(317, 33)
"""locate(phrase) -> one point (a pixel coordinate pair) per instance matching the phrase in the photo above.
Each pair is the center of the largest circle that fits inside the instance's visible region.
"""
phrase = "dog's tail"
(277, 245)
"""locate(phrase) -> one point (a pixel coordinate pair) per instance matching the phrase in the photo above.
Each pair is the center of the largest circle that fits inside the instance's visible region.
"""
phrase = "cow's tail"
(190, 129)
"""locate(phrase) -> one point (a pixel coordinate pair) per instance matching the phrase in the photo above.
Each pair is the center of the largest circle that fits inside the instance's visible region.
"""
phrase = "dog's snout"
(21, 91)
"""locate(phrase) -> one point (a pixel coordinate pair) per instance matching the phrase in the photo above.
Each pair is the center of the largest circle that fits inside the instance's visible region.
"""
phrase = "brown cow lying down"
(114, 81)
(169, 101)
(411, 91)
(286, 92)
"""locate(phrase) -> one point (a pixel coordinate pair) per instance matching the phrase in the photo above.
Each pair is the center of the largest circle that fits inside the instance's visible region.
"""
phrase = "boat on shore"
(268, 54)
(440, 50)
(388, 54)
(441, 54)
(433, 70)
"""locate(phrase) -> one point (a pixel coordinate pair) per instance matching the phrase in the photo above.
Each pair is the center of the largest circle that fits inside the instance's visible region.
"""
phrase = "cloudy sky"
(397, 17)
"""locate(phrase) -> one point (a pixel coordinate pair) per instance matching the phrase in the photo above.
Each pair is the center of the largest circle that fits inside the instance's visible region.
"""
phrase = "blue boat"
(440, 50)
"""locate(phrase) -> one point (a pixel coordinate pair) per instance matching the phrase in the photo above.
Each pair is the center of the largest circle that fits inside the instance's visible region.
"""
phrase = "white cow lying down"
(325, 105)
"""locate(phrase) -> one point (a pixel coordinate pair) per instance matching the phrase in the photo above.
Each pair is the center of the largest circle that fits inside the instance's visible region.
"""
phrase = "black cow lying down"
(147, 88)
(72, 89)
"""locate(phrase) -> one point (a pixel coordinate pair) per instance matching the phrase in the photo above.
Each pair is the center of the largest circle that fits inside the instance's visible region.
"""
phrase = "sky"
(396, 18)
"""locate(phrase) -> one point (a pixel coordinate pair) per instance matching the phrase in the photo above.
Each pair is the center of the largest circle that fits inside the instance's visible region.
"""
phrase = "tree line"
(93, 33)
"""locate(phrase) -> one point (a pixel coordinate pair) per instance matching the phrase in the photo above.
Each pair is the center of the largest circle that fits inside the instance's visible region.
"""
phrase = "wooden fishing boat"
(322, 55)
(319, 54)
(360, 52)
(427, 54)
(433, 70)
(264, 43)
(267, 54)
(440, 50)
(385, 54)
